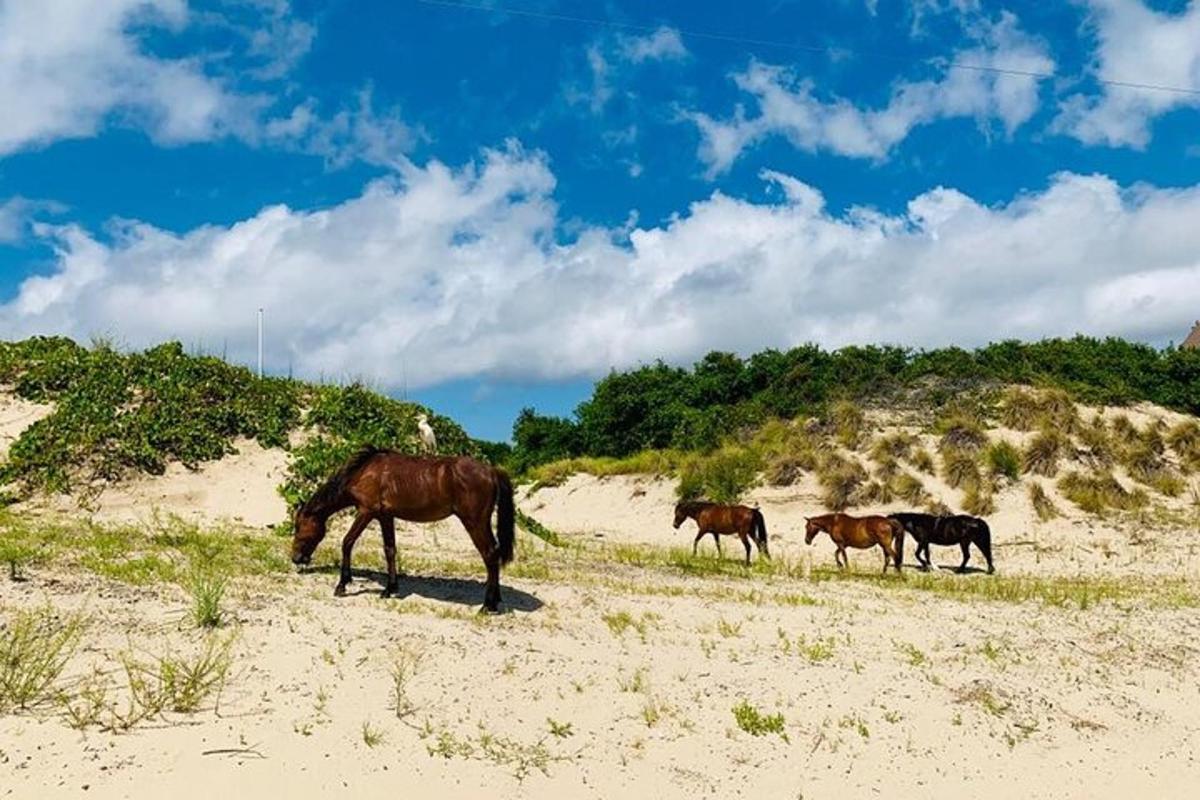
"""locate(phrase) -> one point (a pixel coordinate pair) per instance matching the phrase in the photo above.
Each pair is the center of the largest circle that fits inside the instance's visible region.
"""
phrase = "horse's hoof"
(339, 591)
(387, 593)
(489, 611)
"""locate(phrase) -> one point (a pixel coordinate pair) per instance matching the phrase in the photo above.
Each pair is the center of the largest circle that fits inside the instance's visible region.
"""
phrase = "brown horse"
(747, 523)
(860, 532)
(383, 485)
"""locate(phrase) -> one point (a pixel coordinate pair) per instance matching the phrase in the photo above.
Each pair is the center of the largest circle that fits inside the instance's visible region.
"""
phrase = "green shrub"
(722, 476)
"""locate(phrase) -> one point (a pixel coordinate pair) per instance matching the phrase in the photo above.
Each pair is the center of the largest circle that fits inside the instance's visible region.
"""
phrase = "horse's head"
(681, 514)
(309, 531)
(811, 528)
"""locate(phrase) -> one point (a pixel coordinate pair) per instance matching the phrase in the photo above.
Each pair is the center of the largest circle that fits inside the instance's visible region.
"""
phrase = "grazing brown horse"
(383, 485)
(859, 532)
(747, 523)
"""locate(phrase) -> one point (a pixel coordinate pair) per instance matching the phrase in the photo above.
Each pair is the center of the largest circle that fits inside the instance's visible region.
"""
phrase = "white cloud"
(663, 44)
(789, 106)
(69, 68)
(608, 57)
(1140, 45)
(452, 273)
(355, 133)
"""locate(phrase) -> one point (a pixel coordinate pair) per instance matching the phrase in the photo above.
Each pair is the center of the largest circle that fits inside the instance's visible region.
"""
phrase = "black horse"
(958, 529)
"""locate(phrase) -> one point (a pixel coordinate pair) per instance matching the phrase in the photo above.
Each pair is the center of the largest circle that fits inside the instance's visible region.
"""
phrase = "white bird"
(428, 439)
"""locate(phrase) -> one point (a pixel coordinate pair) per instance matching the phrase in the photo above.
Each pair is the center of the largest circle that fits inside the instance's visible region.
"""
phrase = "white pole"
(260, 326)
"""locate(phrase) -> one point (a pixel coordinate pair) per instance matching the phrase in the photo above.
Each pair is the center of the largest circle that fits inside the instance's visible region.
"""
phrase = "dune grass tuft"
(34, 648)
(1043, 452)
(1003, 459)
(840, 479)
(959, 468)
(1043, 506)
(1184, 439)
(1100, 491)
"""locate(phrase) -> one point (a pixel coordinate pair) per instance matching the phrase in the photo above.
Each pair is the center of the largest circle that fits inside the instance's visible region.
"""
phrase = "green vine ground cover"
(117, 413)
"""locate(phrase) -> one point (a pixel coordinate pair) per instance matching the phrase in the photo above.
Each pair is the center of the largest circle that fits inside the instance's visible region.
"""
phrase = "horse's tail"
(505, 515)
(760, 530)
(984, 541)
(898, 541)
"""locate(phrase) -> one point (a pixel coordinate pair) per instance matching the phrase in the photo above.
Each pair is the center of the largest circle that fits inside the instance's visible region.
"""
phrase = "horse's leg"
(985, 547)
(923, 556)
(966, 548)
(479, 526)
(746, 544)
(356, 528)
(717, 538)
(889, 555)
(839, 555)
(388, 524)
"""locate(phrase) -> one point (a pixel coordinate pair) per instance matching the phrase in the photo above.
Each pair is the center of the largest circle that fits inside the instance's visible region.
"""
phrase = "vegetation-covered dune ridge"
(117, 413)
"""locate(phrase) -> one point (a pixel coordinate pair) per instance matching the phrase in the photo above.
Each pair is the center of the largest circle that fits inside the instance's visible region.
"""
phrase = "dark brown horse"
(383, 485)
(950, 529)
(744, 522)
(859, 532)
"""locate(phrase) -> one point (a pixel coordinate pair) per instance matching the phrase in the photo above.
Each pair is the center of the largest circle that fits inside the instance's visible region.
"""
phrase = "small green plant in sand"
(561, 730)
(404, 667)
(35, 647)
(912, 654)
(756, 723)
(372, 737)
(518, 757)
(208, 592)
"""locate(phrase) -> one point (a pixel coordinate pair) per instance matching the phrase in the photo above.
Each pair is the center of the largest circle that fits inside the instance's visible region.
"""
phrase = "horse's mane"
(335, 487)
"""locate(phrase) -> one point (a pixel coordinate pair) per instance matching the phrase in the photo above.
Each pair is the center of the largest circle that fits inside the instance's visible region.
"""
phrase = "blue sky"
(485, 210)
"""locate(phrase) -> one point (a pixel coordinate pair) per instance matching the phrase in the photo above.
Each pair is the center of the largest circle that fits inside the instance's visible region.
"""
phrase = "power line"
(743, 40)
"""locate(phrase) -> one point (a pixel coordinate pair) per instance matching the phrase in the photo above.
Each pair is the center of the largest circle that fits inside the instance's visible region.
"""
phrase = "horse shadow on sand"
(462, 591)
(935, 568)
